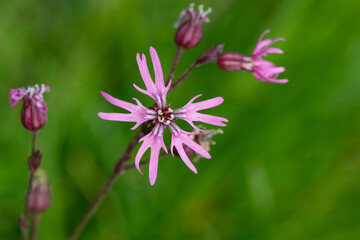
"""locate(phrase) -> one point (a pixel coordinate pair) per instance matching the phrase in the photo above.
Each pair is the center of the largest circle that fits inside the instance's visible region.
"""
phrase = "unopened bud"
(233, 61)
(39, 196)
(31, 116)
(33, 113)
(210, 55)
(34, 161)
(190, 33)
(22, 221)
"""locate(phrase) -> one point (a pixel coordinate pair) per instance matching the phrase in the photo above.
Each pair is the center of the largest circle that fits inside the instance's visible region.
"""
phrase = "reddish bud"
(190, 33)
(32, 117)
(34, 161)
(22, 221)
(233, 61)
(33, 113)
(39, 196)
(210, 55)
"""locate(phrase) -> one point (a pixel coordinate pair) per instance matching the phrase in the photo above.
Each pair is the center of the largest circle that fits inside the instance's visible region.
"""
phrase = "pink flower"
(264, 70)
(33, 113)
(161, 116)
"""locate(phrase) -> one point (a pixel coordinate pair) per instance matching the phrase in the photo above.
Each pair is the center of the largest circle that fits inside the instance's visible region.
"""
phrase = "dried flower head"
(162, 116)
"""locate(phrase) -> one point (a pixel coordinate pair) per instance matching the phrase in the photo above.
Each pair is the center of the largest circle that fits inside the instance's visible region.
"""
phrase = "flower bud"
(22, 221)
(34, 161)
(190, 33)
(233, 61)
(33, 113)
(39, 196)
(210, 55)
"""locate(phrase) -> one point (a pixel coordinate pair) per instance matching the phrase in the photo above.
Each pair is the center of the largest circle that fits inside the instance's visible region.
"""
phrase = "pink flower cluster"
(161, 116)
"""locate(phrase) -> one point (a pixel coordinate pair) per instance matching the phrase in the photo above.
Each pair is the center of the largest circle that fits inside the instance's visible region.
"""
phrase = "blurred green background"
(286, 167)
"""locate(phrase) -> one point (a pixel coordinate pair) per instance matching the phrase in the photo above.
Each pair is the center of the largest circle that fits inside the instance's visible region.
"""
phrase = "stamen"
(167, 122)
(170, 110)
(161, 119)
(160, 112)
(171, 117)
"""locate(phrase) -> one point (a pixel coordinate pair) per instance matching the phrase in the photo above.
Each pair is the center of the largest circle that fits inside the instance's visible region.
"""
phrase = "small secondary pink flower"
(263, 70)
(161, 116)
(33, 113)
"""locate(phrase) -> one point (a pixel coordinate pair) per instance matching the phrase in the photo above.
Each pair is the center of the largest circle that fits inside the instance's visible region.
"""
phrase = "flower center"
(164, 115)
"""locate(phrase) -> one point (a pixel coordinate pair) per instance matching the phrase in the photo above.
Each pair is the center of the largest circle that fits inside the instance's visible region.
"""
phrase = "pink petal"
(210, 103)
(117, 102)
(274, 50)
(159, 78)
(209, 119)
(144, 71)
(194, 146)
(122, 117)
(153, 166)
(185, 158)
(153, 140)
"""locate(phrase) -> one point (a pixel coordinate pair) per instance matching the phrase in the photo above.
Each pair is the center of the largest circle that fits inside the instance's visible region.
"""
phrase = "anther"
(171, 117)
(160, 112)
(167, 122)
(161, 119)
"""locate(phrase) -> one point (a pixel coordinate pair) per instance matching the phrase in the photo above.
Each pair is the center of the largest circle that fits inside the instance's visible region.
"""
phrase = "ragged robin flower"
(263, 70)
(162, 116)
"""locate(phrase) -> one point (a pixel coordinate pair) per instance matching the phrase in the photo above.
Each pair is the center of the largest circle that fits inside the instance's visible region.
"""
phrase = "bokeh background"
(286, 167)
